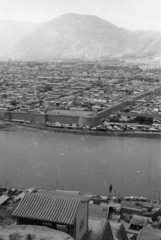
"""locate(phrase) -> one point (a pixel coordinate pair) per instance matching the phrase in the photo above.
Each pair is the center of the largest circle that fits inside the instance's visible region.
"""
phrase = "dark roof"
(118, 231)
(47, 208)
(139, 221)
(108, 233)
(97, 211)
(148, 233)
(65, 193)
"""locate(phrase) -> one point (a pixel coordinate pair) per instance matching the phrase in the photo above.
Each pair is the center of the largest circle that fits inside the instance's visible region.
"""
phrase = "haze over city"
(129, 14)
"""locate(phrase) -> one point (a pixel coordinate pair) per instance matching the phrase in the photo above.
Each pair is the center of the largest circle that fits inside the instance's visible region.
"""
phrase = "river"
(75, 162)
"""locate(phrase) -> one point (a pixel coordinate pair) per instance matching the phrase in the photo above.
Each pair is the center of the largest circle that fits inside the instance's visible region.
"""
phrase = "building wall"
(25, 221)
(89, 120)
(131, 211)
(62, 118)
(33, 117)
(41, 118)
(81, 220)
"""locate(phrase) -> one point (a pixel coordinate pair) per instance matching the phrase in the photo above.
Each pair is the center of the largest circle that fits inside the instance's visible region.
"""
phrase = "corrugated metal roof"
(64, 193)
(47, 208)
(3, 198)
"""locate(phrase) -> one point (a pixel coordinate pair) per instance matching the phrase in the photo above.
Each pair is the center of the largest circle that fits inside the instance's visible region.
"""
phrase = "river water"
(77, 162)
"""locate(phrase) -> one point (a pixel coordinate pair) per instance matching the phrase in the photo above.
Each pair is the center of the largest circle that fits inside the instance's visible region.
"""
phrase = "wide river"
(79, 162)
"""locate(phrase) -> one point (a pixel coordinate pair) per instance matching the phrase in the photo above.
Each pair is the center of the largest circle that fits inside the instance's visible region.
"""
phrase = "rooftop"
(149, 233)
(38, 206)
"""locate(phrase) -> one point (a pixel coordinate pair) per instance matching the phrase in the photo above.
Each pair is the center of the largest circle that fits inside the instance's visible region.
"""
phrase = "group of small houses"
(83, 216)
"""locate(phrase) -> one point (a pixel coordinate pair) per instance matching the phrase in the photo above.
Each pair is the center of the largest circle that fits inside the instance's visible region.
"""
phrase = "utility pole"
(119, 193)
(57, 184)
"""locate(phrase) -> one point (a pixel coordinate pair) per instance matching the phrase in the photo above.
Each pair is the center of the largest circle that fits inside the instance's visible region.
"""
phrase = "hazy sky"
(130, 14)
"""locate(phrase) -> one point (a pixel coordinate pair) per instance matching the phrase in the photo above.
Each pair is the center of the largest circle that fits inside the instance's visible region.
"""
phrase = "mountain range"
(75, 36)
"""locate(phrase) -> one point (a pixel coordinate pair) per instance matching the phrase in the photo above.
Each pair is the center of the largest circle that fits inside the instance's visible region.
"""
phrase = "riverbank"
(36, 127)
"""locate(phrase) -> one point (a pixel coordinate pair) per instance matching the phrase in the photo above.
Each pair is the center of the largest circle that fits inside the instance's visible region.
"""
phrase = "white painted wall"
(81, 220)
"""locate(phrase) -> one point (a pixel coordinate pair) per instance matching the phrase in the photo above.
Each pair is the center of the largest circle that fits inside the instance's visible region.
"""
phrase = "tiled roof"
(61, 193)
(64, 193)
(43, 207)
(68, 192)
(97, 211)
(148, 233)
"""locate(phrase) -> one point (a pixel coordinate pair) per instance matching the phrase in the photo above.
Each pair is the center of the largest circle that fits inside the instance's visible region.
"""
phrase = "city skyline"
(129, 14)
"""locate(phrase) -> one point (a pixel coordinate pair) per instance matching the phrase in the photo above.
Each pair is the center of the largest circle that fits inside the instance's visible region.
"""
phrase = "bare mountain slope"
(12, 32)
(86, 37)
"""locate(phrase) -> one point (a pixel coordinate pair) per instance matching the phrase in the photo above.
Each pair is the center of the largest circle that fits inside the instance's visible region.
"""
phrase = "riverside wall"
(153, 135)
(65, 119)
(38, 117)
(41, 118)
(33, 117)
(89, 120)
(117, 107)
(131, 101)
(132, 134)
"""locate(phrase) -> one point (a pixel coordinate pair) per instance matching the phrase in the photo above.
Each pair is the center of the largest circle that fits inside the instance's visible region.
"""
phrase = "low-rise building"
(67, 213)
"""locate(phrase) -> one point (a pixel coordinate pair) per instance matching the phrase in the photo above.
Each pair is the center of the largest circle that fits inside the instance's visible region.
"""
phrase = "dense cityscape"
(75, 86)
(80, 120)
(78, 88)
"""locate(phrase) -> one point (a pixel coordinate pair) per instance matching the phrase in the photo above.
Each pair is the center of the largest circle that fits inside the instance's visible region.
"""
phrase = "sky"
(129, 14)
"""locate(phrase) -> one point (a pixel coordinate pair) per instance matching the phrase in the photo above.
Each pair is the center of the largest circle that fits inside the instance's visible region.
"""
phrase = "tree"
(126, 110)
(47, 88)
(144, 120)
(140, 119)
(149, 120)
(14, 102)
(105, 90)
(4, 95)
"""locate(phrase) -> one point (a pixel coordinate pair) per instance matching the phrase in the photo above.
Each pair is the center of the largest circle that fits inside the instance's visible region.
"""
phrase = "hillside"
(25, 232)
(11, 32)
(79, 36)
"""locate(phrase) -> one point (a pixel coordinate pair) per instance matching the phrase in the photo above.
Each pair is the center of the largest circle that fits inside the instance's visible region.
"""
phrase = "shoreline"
(133, 134)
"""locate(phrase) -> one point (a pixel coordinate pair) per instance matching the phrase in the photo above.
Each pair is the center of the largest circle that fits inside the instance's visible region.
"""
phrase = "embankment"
(40, 118)
(113, 134)
(132, 134)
